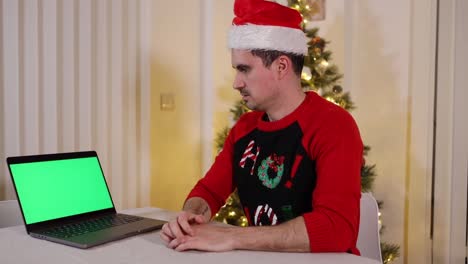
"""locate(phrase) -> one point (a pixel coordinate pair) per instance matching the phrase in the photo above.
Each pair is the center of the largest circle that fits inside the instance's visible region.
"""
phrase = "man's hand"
(196, 211)
(206, 237)
(181, 226)
(290, 236)
(190, 231)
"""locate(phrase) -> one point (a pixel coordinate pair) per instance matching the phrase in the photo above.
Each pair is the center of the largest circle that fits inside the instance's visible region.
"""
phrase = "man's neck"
(286, 105)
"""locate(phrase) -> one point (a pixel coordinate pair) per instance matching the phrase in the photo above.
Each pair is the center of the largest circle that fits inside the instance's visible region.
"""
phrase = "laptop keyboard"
(92, 225)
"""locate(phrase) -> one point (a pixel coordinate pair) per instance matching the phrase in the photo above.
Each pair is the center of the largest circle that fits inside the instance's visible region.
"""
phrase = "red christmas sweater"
(306, 164)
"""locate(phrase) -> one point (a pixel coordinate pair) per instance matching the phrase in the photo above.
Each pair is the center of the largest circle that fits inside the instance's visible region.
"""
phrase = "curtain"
(74, 75)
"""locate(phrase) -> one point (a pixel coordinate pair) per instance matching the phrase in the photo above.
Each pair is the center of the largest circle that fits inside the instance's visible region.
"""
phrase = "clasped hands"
(192, 231)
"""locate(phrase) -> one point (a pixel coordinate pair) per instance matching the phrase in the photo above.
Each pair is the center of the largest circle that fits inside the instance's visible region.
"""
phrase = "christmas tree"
(323, 77)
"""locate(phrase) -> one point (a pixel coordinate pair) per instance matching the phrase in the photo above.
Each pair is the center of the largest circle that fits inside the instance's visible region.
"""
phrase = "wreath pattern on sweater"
(272, 163)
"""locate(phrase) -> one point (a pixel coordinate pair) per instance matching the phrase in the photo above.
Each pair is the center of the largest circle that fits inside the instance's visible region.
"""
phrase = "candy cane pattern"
(265, 209)
(248, 154)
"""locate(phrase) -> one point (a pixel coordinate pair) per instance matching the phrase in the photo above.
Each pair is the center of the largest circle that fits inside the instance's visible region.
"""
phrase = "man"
(295, 159)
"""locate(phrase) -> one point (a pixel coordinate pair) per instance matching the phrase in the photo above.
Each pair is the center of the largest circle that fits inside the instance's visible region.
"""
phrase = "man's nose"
(238, 83)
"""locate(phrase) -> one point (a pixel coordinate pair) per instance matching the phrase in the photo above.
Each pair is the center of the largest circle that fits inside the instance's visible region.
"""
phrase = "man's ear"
(283, 66)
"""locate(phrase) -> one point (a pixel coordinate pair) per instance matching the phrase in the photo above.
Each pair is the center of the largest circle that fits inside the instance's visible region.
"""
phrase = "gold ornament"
(337, 89)
(317, 42)
(322, 67)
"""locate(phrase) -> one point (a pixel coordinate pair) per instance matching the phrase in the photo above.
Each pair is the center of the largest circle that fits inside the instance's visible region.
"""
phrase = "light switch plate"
(167, 102)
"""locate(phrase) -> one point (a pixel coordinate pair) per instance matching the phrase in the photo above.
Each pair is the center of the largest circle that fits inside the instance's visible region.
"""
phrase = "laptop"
(64, 198)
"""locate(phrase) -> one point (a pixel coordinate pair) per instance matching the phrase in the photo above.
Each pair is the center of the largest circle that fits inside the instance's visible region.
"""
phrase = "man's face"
(255, 82)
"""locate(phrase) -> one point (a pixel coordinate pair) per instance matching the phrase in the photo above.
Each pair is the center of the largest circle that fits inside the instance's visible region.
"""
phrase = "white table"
(18, 247)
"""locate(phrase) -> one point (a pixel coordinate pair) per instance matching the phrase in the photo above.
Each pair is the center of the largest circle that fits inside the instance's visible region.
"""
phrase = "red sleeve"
(337, 147)
(217, 184)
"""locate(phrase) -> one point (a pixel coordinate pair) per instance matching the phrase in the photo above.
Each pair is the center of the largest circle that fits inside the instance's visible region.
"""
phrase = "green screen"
(60, 188)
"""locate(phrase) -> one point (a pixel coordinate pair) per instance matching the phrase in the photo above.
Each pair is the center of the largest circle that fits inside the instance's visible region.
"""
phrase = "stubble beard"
(246, 97)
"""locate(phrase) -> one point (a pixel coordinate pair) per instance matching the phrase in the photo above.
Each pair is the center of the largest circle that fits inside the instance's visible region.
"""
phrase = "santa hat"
(265, 25)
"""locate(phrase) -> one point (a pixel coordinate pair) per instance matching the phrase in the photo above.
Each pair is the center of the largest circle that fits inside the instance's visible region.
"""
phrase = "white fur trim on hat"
(278, 38)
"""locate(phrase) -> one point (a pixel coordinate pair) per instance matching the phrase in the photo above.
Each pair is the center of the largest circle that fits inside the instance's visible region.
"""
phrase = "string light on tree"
(306, 8)
(330, 99)
(306, 74)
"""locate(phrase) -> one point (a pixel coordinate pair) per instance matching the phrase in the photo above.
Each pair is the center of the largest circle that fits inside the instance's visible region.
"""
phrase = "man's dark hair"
(269, 56)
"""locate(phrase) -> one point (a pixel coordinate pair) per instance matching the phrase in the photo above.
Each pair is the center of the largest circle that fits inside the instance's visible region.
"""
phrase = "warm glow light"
(306, 76)
(232, 213)
(305, 21)
(324, 63)
(330, 99)
(244, 221)
(307, 7)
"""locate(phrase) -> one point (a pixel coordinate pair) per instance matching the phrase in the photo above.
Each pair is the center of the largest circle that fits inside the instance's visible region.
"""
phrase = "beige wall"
(175, 69)
(379, 61)
(74, 76)
(389, 51)
(223, 74)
